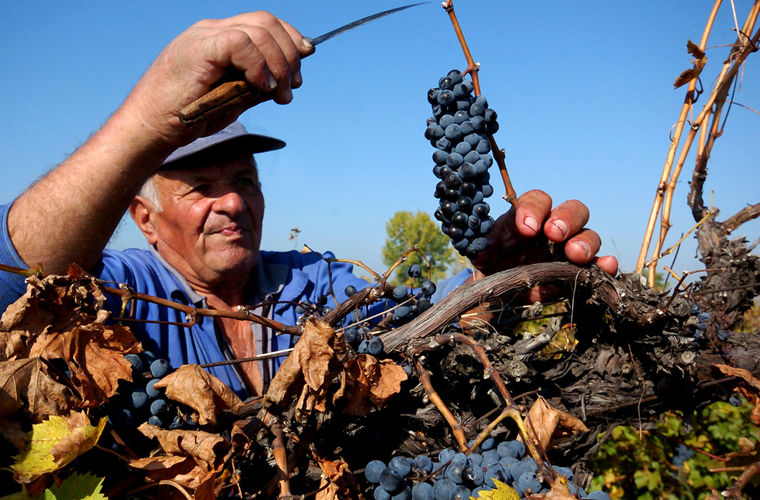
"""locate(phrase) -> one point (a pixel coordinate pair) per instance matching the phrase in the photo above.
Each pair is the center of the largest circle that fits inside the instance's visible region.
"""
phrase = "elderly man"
(194, 192)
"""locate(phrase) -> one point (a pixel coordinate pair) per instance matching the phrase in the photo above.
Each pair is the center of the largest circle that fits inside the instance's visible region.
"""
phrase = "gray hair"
(150, 193)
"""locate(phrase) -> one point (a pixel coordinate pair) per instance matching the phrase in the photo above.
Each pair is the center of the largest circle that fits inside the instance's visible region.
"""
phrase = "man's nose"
(230, 202)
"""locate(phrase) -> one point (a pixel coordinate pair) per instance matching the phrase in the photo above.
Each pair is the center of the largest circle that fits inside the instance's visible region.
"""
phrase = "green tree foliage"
(721, 440)
(406, 230)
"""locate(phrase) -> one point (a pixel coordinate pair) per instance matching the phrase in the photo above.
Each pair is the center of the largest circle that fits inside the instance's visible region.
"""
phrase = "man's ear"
(142, 212)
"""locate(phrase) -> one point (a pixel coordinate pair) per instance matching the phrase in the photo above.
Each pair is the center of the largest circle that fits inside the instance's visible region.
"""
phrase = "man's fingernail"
(307, 46)
(531, 223)
(297, 79)
(271, 82)
(561, 227)
(583, 246)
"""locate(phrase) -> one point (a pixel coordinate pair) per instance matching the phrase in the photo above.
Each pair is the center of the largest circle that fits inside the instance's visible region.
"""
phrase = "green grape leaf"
(76, 487)
(54, 443)
(502, 492)
(19, 495)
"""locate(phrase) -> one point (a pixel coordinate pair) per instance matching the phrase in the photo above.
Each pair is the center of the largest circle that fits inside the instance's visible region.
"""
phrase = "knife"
(233, 93)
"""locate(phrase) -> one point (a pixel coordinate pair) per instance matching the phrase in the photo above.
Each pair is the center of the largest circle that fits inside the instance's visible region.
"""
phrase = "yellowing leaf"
(55, 443)
(76, 487)
(501, 492)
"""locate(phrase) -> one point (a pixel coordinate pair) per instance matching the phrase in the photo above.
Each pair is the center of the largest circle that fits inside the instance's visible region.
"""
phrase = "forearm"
(69, 215)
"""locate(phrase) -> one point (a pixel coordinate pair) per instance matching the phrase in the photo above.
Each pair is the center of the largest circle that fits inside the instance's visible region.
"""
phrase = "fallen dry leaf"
(198, 389)
(12, 346)
(739, 372)
(335, 483)
(180, 469)
(370, 383)
(208, 450)
(309, 364)
(547, 423)
(53, 303)
(26, 382)
(95, 356)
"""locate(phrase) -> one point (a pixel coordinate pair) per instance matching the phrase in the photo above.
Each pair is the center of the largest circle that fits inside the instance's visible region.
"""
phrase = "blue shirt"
(287, 277)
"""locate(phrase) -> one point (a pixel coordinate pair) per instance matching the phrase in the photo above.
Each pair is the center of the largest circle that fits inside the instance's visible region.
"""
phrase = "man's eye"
(245, 181)
(202, 188)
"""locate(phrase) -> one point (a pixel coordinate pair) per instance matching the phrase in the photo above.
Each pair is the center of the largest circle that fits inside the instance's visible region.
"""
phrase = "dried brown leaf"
(309, 363)
(197, 388)
(699, 63)
(743, 374)
(95, 355)
(547, 423)
(558, 491)
(693, 49)
(26, 382)
(53, 303)
(182, 470)
(207, 449)
(334, 483)
(12, 346)
(369, 383)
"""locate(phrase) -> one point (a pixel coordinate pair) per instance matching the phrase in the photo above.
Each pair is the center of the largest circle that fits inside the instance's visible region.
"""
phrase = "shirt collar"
(267, 279)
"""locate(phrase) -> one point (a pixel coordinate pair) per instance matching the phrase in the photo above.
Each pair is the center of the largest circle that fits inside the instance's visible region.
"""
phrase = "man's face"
(209, 226)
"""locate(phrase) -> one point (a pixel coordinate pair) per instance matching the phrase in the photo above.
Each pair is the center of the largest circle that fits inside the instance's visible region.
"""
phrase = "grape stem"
(278, 451)
(473, 69)
(510, 411)
(456, 425)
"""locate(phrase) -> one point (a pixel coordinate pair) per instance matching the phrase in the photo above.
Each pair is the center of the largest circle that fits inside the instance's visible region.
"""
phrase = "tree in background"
(406, 230)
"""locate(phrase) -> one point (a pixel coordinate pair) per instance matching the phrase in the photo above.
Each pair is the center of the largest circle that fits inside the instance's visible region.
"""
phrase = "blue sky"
(583, 90)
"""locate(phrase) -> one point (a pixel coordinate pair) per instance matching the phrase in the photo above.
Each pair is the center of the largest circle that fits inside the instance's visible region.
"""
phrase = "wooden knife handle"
(219, 100)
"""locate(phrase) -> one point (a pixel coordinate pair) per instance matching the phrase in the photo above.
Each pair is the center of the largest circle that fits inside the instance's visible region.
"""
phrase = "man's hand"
(264, 49)
(521, 235)
(69, 215)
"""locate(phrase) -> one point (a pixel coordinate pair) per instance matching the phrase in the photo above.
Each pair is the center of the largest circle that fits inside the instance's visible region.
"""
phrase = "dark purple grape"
(402, 465)
(445, 121)
(445, 97)
(373, 470)
(151, 391)
(427, 288)
(453, 180)
(159, 407)
(160, 368)
(414, 271)
(453, 132)
(375, 346)
(400, 292)
(391, 481)
(137, 364)
(454, 160)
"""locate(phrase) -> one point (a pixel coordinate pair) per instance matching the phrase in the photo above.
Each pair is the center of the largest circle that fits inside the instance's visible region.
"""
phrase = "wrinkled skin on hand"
(262, 48)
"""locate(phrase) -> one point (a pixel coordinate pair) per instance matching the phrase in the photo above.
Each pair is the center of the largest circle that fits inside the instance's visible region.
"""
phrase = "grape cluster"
(458, 130)
(411, 302)
(700, 320)
(454, 475)
(140, 401)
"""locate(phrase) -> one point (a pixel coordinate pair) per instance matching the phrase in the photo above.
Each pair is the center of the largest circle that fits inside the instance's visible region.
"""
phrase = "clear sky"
(583, 90)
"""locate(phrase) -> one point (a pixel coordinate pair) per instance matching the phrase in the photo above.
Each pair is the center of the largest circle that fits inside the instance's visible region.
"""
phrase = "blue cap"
(230, 142)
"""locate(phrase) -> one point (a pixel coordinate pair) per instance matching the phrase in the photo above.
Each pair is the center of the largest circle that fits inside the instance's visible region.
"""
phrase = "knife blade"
(233, 93)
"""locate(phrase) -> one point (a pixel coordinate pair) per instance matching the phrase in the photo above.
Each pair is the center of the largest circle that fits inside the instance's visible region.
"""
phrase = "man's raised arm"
(69, 215)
